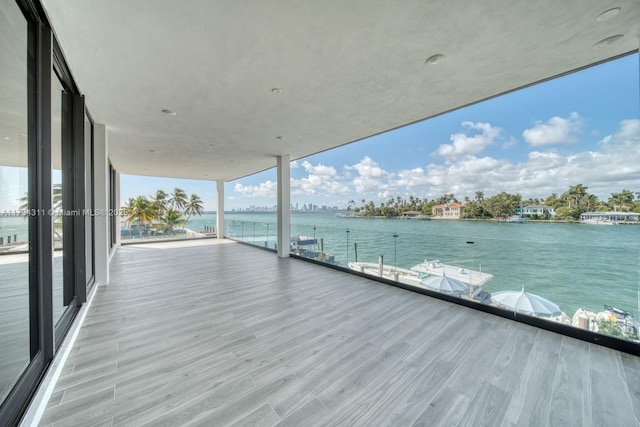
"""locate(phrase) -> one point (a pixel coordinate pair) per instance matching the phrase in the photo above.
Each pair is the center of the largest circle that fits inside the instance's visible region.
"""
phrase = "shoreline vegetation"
(428, 218)
(564, 208)
(162, 213)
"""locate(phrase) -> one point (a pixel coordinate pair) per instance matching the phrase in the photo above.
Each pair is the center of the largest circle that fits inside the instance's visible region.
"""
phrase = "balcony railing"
(573, 275)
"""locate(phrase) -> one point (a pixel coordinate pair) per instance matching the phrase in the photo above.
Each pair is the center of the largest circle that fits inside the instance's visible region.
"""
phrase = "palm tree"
(178, 198)
(577, 193)
(622, 200)
(592, 202)
(171, 219)
(139, 209)
(159, 203)
(194, 206)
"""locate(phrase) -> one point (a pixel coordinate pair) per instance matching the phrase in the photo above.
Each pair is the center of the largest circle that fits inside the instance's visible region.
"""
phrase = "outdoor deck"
(214, 334)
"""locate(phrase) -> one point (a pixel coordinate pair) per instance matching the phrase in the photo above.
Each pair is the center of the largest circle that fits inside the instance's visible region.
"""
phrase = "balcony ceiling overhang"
(250, 80)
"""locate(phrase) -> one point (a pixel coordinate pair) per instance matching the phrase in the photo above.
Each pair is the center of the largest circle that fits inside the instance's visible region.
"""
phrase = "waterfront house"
(447, 211)
(216, 332)
(536, 211)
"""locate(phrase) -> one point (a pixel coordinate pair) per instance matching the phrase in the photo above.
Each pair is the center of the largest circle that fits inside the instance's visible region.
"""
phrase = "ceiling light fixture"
(608, 41)
(169, 112)
(7, 138)
(434, 59)
(608, 14)
(279, 137)
(276, 91)
(153, 151)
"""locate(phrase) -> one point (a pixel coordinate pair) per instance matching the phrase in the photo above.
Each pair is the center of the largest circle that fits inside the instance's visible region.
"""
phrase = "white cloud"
(371, 176)
(463, 144)
(556, 130)
(411, 178)
(321, 180)
(265, 189)
(629, 131)
(319, 169)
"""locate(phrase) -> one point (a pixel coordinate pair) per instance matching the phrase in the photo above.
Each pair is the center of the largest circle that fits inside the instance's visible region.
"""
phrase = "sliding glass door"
(15, 350)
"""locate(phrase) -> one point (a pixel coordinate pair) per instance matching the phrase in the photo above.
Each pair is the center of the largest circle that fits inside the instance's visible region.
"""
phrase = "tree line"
(567, 206)
(163, 212)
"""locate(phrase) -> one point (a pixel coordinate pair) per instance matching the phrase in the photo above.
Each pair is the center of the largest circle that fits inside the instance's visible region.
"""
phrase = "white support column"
(284, 205)
(220, 209)
(101, 186)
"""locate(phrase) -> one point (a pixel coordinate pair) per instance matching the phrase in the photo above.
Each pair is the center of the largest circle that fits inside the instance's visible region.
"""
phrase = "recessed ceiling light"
(434, 59)
(279, 137)
(153, 151)
(276, 91)
(169, 112)
(608, 41)
(6, 137)
(608, 14)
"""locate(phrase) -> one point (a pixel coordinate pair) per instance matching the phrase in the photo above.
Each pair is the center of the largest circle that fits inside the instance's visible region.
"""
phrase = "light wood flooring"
(217, 334)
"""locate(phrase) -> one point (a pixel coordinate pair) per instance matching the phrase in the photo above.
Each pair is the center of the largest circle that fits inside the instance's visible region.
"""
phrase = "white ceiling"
(346, 69)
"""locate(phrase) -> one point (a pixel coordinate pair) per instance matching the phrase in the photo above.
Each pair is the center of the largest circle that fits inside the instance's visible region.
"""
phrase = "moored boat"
(436, 268)
(416, 275)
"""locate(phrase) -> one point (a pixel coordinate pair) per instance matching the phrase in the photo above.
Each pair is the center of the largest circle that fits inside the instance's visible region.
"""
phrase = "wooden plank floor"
(225, 334)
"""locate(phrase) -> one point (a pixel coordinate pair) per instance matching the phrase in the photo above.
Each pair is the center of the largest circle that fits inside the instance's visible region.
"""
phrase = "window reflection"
(14, 227)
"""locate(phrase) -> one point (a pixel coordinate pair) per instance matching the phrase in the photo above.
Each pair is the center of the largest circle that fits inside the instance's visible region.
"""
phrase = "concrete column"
(101, 185)
(284, 205)
(220, 209)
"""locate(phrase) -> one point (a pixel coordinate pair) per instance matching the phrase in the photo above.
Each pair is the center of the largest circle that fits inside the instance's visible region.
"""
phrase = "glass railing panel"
(255, 229)
(576, 274)
(195, 227)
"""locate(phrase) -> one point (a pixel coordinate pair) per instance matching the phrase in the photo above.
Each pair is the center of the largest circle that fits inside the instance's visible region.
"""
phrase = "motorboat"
(464, 275)
(416, 275)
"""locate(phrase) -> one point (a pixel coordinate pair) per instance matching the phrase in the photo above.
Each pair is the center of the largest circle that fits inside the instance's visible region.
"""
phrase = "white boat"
(416, 274)
(397, 274)
(603, 221)
(436, 268)
(515, 218)
(419, 272)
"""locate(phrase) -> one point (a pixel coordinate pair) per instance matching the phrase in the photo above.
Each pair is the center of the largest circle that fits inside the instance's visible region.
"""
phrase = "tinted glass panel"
(14, 226)
(57, 96)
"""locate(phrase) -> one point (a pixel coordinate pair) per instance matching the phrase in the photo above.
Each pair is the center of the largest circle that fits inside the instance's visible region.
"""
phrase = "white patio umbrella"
(445, 284)
(526, 303)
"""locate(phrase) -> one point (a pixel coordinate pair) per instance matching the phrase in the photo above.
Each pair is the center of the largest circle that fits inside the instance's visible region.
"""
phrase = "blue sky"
(581, 128)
